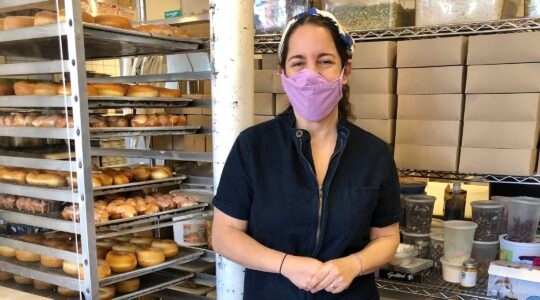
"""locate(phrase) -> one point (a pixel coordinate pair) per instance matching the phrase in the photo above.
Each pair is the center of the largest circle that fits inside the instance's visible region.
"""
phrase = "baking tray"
(100, 42)
(126, 102)
(193, 286)
(156, 281)
(184, 255)
(138, 185)
(197, 266)
(109, 132)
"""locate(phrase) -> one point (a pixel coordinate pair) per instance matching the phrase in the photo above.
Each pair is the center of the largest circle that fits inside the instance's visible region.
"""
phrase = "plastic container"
(504, 201)
(511, 251)
(458, 238)
(484, 253)
(418, 213)
(436, 249)
(488, 215)
(371, 14)
(451, 272)
(405, 254)
(190, 232)
(422, 241)
(523, 218)
(272, 16)
(432, 12)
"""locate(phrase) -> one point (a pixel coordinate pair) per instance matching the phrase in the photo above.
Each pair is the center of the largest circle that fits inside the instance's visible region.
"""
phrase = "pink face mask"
(311, 95)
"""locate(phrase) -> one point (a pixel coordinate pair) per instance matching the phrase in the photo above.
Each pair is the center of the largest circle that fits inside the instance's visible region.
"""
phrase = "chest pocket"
(360, 202)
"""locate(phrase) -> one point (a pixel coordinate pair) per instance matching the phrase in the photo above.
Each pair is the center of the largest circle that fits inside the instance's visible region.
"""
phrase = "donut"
(7, 251)
(128, 286)
(125, 247)
(14, 22)
(51, 261)
(70, 267)
(5, 275)
(121, 262)
(168, 247)
(44, 17)
(23, 88)
(142, 91)
(86, 17)
(169, 93)
(22, 280)
(142, 241)
(107, 292)
(42, 285)
(67, 292)
(104, 270)
(113, 21)
(112, 90)
(147, 257)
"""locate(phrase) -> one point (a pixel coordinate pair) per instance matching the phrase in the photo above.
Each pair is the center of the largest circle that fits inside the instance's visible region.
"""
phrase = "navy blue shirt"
(269, 181)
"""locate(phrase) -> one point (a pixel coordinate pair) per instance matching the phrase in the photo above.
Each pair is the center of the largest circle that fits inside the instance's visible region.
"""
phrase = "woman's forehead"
(310, 37)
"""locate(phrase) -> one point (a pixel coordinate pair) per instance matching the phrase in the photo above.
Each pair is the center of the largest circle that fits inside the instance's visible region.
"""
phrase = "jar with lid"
(371, 14)
(468, 273)
(454, 202)
(272, 16)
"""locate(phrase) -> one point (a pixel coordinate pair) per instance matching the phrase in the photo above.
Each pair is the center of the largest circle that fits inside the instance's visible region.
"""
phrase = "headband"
(344, 34)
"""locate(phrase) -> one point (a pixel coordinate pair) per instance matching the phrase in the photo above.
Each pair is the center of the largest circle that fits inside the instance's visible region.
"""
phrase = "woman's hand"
(300, 270)
(335, 275)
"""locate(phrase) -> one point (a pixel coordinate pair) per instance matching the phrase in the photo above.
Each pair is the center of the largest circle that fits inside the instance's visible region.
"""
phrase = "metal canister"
(468, 273)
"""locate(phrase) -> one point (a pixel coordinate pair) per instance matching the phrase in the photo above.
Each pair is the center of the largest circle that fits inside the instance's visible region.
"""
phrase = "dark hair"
(344, 106)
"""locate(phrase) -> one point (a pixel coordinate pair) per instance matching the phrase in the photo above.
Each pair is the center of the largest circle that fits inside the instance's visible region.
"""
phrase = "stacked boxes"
(500, 132)
(430, 103)
(267, 87)
(372, 88)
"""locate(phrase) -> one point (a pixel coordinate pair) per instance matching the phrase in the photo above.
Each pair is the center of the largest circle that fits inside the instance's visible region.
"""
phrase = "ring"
(334, 287)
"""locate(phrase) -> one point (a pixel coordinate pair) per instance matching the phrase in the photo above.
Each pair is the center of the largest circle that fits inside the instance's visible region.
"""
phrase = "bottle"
(454, 202)
(468, 273)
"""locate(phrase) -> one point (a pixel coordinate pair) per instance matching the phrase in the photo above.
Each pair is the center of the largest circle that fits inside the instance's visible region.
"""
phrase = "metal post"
(231, 45)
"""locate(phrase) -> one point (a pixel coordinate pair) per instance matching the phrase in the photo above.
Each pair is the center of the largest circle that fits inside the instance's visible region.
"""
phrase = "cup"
(504, 201)
(418, 211)
(458, 238)
(488, 215)
(484, 253)
(523, 218)
(418, 239)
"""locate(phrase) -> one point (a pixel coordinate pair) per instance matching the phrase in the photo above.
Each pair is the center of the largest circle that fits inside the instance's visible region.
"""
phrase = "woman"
(308, 202)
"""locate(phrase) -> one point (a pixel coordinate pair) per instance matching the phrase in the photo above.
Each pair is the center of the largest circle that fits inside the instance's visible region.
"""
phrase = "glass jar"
(468, 273)
(454, 202)
(371, 14)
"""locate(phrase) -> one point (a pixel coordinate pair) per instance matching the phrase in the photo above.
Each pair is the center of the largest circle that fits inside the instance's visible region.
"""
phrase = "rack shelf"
(268, 43)
(454, 176)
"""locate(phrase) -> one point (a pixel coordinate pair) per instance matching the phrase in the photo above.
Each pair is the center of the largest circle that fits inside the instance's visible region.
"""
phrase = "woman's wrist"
(282, 262)
(360, 263)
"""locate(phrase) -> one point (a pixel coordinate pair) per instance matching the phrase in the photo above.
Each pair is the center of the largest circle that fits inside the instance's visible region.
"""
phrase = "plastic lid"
(487, 204)
(458, 224)
(456, 186)
(503, 199)
(485, 243)
(420, 198)
(415, 234)
(525, 201)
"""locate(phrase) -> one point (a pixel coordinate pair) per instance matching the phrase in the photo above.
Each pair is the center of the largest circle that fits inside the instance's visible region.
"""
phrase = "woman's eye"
(326, 62)
(296, 64)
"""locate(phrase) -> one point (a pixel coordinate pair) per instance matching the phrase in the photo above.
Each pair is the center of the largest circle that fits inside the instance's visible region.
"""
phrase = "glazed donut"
(45, 179)
(125, 247)
(23, 88)
(67, 292)
(169, 93)
(107, 292)
(142, 91)
(70, 267)
(42, 285)
(7, 251)
(6, 89)
(44, 17)
(147, 257)
(121, 262)
(158, 29)
(22, 280)
(5, 275)
(125, 211)
(104, 270)
(142, 241)
(86, 17)
(100, 216)
(113, 21)
(112, 90)
(128, 286)
(141, 173)
(14, 22)
(168, 247)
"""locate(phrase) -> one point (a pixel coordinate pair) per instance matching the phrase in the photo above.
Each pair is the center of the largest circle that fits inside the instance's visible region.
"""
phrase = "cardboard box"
(449, 51)
(506, 78)
(502, 107)
(437, 158)
(383, 129)
(490, 134)
(444, 107)
(208, 143)
(282, 103)
(493, 49)
(270, 62)
(373, 106)
(264, 81)
(192, 110)
(276, 83)
(518, 162)
(194, 143)
(162, 142)
(513, 280)
(178, 142)
(426, 81)
(373, 81)
(428, 133)
(263, 104)
(260, 119)
(199, 120)
(372, 55)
